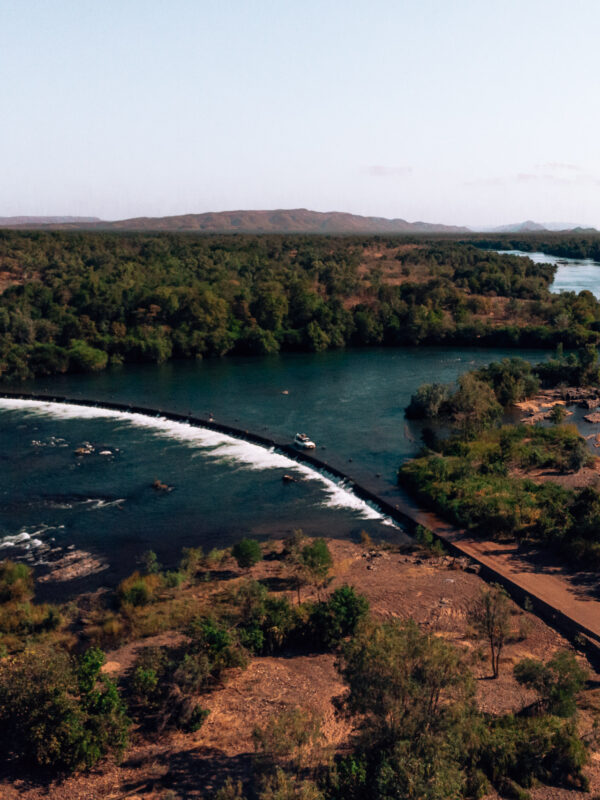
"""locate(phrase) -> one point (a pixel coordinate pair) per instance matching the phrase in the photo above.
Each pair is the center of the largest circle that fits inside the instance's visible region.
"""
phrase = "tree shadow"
(277, 584)
(194, 773)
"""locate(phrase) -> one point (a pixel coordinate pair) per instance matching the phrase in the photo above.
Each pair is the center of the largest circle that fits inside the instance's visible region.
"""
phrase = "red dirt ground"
(435, 593)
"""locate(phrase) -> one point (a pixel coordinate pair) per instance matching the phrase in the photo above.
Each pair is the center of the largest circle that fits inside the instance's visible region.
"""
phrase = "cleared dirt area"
(436, 592)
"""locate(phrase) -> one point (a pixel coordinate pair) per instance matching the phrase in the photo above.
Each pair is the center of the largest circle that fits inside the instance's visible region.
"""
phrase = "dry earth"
(434, 592)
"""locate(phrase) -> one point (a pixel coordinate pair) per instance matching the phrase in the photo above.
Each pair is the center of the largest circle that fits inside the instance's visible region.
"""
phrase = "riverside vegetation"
(410, 695)
(82, 301)
(484, 476)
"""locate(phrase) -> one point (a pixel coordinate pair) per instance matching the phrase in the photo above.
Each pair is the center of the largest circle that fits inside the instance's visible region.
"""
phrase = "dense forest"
(83, 301)
(563, 245)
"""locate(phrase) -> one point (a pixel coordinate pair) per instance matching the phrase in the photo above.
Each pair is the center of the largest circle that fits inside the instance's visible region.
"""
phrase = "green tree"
(247, 553)
(339, 616)
(420, 729)
(428, 401)
(293, 559)
(474, 405)
(399, 678)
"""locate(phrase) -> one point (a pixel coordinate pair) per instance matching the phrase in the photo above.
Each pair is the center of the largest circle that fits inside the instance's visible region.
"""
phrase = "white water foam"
(25, 538)
(91, 503)
(213, 443)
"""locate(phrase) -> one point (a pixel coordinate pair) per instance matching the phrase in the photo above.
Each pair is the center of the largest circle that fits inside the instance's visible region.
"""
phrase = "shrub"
(16, 582)
(191, 560)
(212, 641)
(558, 414)
(317, 561)
(23, 619)
(173, 579)
(557, 682)
(541, 748)
(144, 685)
(366, 540)
(231, 790)
(280, 785)
(138, 590)
(247, 553)
(294, 543)
(287, 733)
(197, 719)
(164, 677)
(422, 736)
(60, 712)
(266, 622)
(84, 358)
(429, 401)
(215, 556)
(431, 545)
(150, 563)
(338, 617)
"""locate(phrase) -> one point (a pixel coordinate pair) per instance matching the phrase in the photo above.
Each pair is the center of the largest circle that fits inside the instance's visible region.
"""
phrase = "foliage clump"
(557, 682)
(166, 678)
(486, 485)
(16, 582)
(422, 735)
(60, 712)
(247, 553)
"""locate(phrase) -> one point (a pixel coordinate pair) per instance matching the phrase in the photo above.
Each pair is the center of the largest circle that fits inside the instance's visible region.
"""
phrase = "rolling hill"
(298, 220)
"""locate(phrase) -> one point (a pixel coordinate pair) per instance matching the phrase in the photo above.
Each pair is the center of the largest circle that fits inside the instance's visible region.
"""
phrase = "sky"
(470, 112)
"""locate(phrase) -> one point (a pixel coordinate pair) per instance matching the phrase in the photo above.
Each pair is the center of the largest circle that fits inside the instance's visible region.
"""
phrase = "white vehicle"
(302, 440)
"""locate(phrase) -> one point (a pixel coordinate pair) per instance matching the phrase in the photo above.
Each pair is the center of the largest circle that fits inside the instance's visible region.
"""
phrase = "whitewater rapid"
(210, 444)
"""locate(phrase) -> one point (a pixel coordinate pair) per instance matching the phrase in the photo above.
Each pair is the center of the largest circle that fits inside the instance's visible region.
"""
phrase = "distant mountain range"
(12, 222)
(298, 220)
(529, 226)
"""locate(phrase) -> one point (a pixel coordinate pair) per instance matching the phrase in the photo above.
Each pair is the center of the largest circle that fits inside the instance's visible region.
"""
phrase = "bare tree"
(491, 617)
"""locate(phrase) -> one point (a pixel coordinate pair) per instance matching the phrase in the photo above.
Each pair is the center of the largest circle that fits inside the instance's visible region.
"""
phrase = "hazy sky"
(456, 111)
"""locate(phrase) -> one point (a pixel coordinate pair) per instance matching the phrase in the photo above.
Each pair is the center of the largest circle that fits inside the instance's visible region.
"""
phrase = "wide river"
(350, 402)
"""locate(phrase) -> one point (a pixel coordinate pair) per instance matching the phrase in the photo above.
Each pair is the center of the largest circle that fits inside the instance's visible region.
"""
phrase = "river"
(350, 402)
(572, 274)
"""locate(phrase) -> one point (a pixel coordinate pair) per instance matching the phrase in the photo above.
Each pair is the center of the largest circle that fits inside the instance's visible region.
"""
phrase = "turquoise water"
(572, 274)
(350, 402)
